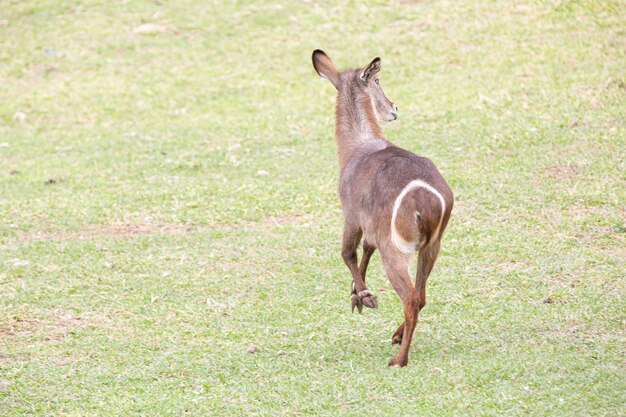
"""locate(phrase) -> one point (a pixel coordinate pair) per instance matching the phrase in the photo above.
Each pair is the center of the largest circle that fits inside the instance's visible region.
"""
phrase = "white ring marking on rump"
(399, 241)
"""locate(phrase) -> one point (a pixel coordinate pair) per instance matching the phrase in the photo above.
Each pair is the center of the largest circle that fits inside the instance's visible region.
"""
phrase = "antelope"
(397, 201)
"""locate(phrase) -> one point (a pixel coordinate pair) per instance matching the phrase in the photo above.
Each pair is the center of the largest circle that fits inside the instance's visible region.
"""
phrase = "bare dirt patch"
(584, 333)
(562, 171)
(129, 230)
(116, 230)
(134, 229)
(61, 325)
(289, 219)
(41, 69)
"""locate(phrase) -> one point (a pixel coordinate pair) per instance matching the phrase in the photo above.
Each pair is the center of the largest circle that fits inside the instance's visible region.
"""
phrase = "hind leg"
(425, 262)
(396, 266)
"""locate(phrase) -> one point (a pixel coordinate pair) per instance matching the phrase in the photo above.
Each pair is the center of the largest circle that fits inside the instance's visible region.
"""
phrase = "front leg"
(368, 251)
(360, 295)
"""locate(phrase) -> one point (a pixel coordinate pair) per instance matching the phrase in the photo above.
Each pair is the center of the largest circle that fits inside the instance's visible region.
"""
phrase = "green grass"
(169, 200)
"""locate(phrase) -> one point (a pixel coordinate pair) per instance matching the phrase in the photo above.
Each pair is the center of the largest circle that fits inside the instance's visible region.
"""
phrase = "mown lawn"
(168, 203)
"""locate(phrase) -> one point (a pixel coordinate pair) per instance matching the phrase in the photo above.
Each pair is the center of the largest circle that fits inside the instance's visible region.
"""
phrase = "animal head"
(362, 82)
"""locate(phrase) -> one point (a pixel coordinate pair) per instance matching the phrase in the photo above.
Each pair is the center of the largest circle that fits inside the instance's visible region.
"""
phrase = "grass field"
(168, 202)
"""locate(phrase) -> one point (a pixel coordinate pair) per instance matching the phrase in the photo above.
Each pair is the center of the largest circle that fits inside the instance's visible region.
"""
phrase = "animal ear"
(372, 69)
(325, 67)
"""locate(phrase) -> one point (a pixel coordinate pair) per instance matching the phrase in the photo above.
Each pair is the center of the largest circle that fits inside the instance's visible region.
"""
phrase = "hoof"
(396, 339)
(369, 300)
(395, 363)
(363, 298)
(355, 302)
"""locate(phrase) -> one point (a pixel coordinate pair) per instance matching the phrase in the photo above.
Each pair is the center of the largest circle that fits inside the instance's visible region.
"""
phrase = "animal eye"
(377, 81)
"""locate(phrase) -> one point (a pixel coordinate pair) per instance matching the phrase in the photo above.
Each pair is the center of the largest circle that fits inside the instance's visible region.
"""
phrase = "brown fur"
(373, 173)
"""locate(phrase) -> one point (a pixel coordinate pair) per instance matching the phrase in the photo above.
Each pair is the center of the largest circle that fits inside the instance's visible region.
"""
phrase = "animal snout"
(394, 111)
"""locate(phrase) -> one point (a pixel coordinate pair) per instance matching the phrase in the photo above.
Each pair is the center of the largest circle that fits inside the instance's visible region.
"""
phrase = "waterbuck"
(396, 200)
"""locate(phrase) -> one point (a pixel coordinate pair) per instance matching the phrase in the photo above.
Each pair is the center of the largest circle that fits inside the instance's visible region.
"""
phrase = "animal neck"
(356, 123)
